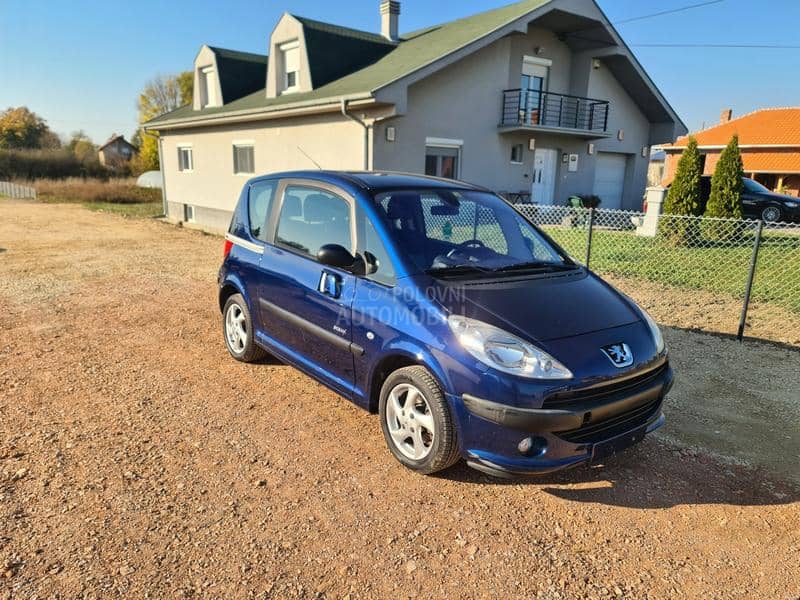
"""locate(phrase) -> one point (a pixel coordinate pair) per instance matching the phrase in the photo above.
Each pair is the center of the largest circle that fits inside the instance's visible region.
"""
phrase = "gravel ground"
(138, 460)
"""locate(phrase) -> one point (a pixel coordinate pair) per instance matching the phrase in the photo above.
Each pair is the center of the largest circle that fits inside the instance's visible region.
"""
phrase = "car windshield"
(753, 186)
(449, 232)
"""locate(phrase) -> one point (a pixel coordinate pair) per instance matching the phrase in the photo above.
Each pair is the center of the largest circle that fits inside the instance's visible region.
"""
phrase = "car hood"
(540, 308)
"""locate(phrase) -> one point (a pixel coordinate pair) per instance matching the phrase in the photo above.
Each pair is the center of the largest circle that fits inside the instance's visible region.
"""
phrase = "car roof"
(377, 181)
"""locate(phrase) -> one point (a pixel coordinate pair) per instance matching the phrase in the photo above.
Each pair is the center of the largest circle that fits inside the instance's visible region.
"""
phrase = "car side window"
(259, 204)
(311, 218)
(374, 245)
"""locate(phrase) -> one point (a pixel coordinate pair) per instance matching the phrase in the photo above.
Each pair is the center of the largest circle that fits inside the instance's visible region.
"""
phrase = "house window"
(290, 63)
(185, 159)
(443, 161)
(243, 158)
(516, 154)
(208, 87)
(188, 213)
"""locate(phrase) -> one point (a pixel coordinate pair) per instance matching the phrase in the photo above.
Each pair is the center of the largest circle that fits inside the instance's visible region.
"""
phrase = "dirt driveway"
(137, 460)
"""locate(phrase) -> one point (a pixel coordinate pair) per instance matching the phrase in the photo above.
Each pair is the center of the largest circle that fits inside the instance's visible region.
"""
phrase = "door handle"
(330, 284)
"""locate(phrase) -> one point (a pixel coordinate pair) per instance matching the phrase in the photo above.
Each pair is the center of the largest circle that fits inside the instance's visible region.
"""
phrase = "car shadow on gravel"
(652, 475)
(270, 360)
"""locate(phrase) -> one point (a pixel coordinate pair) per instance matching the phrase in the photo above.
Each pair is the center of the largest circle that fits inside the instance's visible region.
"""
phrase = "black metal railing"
(546, 109)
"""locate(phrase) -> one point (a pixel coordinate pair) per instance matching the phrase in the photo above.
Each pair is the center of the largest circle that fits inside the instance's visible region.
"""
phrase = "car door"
(304, 306)
(752, 203)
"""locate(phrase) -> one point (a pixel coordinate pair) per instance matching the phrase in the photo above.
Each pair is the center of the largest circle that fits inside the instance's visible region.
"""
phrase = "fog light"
(532, 446)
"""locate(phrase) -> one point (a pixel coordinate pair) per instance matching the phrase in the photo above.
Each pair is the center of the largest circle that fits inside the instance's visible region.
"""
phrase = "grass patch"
(720, 268)
(143, 210)
(118, 196)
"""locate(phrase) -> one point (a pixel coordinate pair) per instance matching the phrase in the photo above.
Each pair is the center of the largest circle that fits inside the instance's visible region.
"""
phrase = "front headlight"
(504, 351)
(657, 337)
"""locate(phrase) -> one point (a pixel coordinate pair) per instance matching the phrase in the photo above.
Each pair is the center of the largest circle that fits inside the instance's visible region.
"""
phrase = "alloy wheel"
(410, 421)
(771, 214)
(236, 328)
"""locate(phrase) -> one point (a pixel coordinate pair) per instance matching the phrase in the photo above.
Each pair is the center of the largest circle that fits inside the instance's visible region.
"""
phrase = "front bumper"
(506, 440)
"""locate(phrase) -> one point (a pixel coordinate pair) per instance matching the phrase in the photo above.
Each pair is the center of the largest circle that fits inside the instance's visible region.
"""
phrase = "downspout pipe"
(163, 179)
(366, 131)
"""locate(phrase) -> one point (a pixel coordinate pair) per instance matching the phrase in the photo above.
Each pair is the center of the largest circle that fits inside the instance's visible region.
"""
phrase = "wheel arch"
(391, 362)
(228, 288)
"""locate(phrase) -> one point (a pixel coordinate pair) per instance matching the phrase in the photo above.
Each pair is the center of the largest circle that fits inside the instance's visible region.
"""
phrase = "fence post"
(750, 276)
(589, 237)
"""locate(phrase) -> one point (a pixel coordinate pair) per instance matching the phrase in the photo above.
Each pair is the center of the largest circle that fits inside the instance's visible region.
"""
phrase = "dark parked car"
(439, 306)
(759, 203)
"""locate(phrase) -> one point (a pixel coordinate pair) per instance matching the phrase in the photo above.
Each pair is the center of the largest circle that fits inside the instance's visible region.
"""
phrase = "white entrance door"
(544, 176)
(609, 178)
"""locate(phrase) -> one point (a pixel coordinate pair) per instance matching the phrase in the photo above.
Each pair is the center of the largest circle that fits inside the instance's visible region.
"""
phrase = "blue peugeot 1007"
(438, 305)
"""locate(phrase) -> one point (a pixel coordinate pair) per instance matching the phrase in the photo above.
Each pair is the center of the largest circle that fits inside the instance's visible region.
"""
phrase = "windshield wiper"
(529, 265)
(458, 270)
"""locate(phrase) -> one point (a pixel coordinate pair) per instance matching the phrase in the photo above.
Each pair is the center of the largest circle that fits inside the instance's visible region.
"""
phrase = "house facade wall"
(464, 101)
(212, 187)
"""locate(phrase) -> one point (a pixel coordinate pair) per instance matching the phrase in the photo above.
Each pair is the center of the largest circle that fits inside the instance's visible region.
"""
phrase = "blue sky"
(81, 64)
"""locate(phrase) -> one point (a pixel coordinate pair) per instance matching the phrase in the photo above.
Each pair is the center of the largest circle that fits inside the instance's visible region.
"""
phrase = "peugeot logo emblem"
(619, 354)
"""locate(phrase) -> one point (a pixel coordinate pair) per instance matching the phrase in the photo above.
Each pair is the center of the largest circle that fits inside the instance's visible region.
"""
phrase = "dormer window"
(208, 87)
(290, 66)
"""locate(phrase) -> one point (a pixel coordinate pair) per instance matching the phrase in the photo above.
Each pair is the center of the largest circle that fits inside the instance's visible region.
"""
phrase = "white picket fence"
(13, 190)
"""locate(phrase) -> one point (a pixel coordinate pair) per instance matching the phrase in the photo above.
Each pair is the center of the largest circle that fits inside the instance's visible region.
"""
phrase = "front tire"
(416, 421)
(238, 331)
(771, 214)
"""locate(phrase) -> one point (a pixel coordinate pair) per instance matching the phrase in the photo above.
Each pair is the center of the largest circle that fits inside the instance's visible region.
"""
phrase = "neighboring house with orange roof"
(769, 140)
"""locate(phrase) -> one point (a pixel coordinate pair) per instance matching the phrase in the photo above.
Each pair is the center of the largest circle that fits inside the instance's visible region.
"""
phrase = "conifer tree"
(725, 201)
(684, 198)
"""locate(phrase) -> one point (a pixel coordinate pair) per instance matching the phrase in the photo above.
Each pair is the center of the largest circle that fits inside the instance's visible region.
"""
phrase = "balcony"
(529, 110)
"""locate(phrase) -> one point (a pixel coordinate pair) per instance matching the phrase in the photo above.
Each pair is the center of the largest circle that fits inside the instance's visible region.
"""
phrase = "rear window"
(259, 204)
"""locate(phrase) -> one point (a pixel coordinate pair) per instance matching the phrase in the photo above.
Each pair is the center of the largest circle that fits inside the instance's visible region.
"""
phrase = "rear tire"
(771, 214)
(416, 421)
(238, 331)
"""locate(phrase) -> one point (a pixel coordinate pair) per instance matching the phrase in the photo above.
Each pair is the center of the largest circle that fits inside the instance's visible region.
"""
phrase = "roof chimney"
(726, 115)
(390, 18)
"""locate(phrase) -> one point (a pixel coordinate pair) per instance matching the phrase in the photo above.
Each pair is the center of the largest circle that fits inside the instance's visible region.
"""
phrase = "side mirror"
(371, 263)
(335, 255)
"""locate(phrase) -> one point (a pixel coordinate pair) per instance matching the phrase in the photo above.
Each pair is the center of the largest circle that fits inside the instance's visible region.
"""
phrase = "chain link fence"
(726, 275)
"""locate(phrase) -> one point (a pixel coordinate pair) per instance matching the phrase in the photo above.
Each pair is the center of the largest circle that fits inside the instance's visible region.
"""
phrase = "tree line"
(30, 150)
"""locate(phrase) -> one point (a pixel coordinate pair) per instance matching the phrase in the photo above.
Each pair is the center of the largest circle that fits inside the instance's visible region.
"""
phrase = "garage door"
(609, 178)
